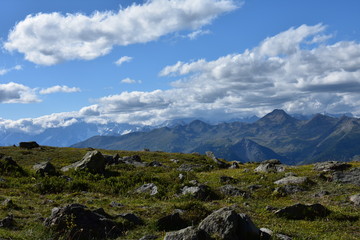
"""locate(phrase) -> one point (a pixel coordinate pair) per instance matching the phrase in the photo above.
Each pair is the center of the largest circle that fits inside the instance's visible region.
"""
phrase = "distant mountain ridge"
(276, 135)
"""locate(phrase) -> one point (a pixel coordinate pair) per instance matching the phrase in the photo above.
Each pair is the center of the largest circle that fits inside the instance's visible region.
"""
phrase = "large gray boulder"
(355, 199)
(201, 192)
(301, 211)
(230, 190)
(45, 169)
(29, 145)
(93, 162)
(352, 176)
(229, 225)
(272, 165)
(189, 233)
(293, 180)
(331, 166)
(78, 222)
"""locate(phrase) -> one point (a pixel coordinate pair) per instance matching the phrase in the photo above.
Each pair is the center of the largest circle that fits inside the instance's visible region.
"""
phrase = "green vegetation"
(33, 196)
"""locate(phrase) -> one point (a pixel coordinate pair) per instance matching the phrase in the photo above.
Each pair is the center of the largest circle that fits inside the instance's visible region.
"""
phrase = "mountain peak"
(277, 117)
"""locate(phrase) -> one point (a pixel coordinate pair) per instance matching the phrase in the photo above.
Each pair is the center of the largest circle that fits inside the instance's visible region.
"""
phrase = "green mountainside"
(28, 196)
(276, 135)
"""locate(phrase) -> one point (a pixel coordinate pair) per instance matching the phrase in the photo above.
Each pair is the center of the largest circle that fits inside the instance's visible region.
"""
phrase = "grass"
(35, 196)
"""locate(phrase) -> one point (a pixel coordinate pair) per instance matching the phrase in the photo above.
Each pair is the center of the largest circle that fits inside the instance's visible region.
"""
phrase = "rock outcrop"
(45, 169)
(93, 162)
(301, 211)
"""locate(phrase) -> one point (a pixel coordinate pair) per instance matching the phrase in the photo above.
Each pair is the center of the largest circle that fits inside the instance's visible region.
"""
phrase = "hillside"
(152, 195)
(276, 135)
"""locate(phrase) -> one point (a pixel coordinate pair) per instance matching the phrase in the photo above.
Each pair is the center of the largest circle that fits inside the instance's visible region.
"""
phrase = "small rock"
(301, 211)
(131, 218)
(181, 176)
(174, 160)
(189, 233)
(233, 191)
(355, 199)
(321, 194)
(116, 204)
(293, 180)
(148, 188)
(45, 169)
(171, 222)
(270, 167)
(227, 179)
(288, 189)
(7, 222)
(190, 167)
(219, 163)
(149, 237)
(155, 164)
(254, 187)
(201, 192)
(270, 208)
(234, 165)
(352, 176)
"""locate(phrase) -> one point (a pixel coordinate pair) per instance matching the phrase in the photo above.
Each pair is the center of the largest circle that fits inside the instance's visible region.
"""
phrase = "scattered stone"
(234, 165)
(288, 174)
(233, 191)
(194, 182)
(78, 222)
(288, 190)
(190, 167)
(219, 163)
(9, 204)
(280, 236)
(301, 211)
(29, 145)
(293, 180)
(148, 188)
(174, 160)
(227, 179)
(321, 194)
(116, 204)
(268, 166)
(201, 192)
(7, 222)
(331, 166)
(229, 225)
(93, 162)
(171, 222)
(111, 159)
(355, 199)
(134, 160)
(270, 208)
(45, 169)
(181, 176)
(155, 164)
(352, 176)
(189, 233)
(131, 218)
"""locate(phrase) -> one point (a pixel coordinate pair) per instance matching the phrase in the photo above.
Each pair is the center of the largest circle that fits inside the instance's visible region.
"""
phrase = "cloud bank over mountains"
(51, 38)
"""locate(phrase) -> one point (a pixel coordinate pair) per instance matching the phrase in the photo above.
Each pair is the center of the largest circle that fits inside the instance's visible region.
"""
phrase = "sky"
(144, 62)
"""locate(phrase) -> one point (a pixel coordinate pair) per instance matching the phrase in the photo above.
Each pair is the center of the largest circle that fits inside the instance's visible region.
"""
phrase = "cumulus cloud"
(130, 81)
(4, 71)
(123, 59)
(17, 93)
(51, 38)
(58, 88)
(295, 70)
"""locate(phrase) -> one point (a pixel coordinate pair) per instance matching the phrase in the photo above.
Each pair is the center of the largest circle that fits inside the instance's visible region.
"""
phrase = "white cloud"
(51, 38)
(4, 71)
(130, 81)
(92, 110)
(123, 59)
(58, 88)
(294, 70)
(17, 93)
(194, 35)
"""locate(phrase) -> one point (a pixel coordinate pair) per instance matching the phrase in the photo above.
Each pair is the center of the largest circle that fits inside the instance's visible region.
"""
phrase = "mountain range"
(276, 135)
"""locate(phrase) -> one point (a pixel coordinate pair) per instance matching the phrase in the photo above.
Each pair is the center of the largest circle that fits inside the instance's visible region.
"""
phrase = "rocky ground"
(66, 193)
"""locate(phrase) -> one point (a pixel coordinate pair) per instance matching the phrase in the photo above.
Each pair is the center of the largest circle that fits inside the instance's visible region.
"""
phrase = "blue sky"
(149, 61)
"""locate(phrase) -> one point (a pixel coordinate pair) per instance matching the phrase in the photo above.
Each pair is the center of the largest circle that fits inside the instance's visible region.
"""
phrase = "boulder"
(288, 190)
(331, 166)
(45, 169)
(7, 222)
(9, 167)
(134, 160)
(227, 179)
(219, 163)
(29, 145)
(272, 165)
(293, 180)
(148, 188)
(78, 222)
(131, 218)
(352, 176)
(234, 165)
(155, 164)
(201, 192)
(189, 233)
(229, 225)
(93, 162)
(230, 190)
(355, 199)
(301, 211)
(190, 167)
(171, 222)
(111, 159)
